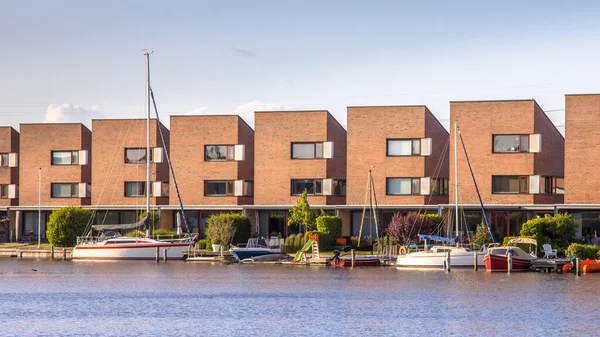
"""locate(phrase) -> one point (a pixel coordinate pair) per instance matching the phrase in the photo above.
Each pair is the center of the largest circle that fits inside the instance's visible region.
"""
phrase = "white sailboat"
(436, 256)
(111, 246)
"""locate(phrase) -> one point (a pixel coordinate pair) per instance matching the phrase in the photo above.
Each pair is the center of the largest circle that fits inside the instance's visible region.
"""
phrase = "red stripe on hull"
(500, 263)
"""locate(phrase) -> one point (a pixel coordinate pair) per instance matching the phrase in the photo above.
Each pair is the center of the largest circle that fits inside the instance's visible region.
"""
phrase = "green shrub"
(325, 240)
(164, 232)
(208, 244)
(289, 243)
(201, 244)
(134, 234)
(354, 241)
(220, 228)
(241, 223)
(436, 219)
(66, 224)
(525, 246)
(558, 230)
(584, 252)
(154, 219)
(298, 240)
(330, 224)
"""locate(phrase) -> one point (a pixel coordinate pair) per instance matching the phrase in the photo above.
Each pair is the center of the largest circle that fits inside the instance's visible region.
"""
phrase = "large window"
(403, 147)
(215, 188)
(339, 187)
(65, 190)
(439, 186)
(558, 185)
(307, 150)
(3, 159)
(135, 155)
(403, 186)
(312, 186)
(219, 152)
(65, 157)
(3, 191)
(135, 188)
(511, 143)
(510, 184)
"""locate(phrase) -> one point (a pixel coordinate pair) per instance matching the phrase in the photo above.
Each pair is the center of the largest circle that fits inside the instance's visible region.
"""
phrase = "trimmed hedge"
(65, 224)
(584, 252)
(330, 224)
(295, 242)
(241, 223)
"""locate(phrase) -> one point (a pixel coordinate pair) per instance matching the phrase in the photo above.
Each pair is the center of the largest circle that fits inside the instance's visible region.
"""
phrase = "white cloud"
(67, 113)
(246, 110)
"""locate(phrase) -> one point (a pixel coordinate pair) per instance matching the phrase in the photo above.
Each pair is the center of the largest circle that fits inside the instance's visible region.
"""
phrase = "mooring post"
(20, 253)
(64, 253)
(353, 256)
(475, 260)
(157, 254)
(52, 252)
(165, 254)
(448, 268)
(509, 262)
(577, 267)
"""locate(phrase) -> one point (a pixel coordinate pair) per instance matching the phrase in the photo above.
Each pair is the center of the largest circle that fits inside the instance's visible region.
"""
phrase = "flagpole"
(39, 208)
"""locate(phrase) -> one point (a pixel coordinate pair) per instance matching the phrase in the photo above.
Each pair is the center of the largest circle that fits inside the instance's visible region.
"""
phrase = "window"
(307, 150)
(248, 188)
(403, 186)
(135, 188)
(439, 186)
(510, 184)
(312, 186)
(3, 191)
(511, 143)
(339, 187)
(219, 152)
(65, 157)
(558, 185)
(135, 155)
(65, 190)
(218, 187)
(3, 159)
(403, 147)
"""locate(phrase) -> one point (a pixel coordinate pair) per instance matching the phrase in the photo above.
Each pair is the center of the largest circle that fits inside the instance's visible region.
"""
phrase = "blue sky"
(76, 60)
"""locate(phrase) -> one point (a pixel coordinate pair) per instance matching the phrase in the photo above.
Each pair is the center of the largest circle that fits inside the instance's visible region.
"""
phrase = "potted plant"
(216, 245)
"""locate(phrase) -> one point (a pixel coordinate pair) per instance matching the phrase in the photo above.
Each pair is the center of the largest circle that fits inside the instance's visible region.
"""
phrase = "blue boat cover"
(438, 238)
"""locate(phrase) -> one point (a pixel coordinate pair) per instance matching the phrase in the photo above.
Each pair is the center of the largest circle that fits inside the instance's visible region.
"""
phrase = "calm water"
(64, 298)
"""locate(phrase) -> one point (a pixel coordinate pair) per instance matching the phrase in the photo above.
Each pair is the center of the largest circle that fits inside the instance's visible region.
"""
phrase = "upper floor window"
(3, 191)
(312, 186)
(403, 147)
(3, 159)
(65, 190)
(219, 152)
(135, 188)
(65, 157)
(403, 186)
(307, 150)
(339, 187)
(439, 186)
(135, 155)
(511, 143)
(219, 188)
(510, 184)
(558, 185)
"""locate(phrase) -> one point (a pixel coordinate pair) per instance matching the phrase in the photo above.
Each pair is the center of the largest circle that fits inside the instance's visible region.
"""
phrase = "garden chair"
(548, 251)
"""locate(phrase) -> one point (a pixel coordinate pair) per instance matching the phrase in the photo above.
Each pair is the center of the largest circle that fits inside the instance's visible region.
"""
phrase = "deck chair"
(548, 251)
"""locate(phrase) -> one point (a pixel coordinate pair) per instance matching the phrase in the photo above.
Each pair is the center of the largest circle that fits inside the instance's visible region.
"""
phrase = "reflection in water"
(178, 298)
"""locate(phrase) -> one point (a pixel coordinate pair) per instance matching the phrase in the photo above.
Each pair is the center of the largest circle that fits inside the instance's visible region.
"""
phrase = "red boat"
(359, 261)
(497, 257)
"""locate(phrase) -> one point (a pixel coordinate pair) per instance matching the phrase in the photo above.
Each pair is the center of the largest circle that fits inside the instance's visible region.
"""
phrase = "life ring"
(402, 251)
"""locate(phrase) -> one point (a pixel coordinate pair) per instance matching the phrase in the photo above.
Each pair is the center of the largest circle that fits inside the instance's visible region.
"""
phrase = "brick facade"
(478, 122)
(9, 143)
(36, 144)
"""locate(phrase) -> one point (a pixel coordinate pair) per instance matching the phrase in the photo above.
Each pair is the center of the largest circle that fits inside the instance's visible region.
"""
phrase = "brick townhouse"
(9, 179)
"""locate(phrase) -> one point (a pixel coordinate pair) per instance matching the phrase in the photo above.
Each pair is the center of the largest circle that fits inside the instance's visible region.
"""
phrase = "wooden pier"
(547, 265)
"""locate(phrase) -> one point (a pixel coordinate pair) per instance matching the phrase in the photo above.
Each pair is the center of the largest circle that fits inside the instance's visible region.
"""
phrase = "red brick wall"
(478, 122)
(9, 143)
(273, 166)
(550, 161)
(336, 166)
(582, 172)
(368, 131)
(189, 136)
(110, 172)
(37, 141)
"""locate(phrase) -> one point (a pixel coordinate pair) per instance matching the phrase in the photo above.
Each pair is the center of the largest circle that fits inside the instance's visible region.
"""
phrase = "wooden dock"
(547, 265)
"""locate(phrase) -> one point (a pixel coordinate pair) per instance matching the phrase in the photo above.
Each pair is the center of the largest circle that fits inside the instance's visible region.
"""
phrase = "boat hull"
(359, 261)
(437, 260)
(245, 253)
(141, 251)
(495, 262)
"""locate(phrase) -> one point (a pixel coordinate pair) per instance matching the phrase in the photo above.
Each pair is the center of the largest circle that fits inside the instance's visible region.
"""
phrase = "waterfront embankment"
(32, 252)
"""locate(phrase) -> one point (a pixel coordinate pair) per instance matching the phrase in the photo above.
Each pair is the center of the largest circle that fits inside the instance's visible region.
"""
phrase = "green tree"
(558, 230)
(481, 236)
(301, 214)
(65, 224)
(221, 228)
(154, 220)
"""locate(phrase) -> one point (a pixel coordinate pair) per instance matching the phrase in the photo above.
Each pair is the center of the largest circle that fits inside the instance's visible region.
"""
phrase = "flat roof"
(496, 100)
(591, 94)
(388, 106)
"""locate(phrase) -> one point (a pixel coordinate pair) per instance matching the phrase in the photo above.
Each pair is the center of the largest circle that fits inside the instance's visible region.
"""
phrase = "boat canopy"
(522, 240)
(438, 238)
(142, 224)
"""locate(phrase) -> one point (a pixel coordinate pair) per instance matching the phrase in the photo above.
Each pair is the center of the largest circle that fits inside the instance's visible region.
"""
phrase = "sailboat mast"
(456, 176)
(147, 55)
